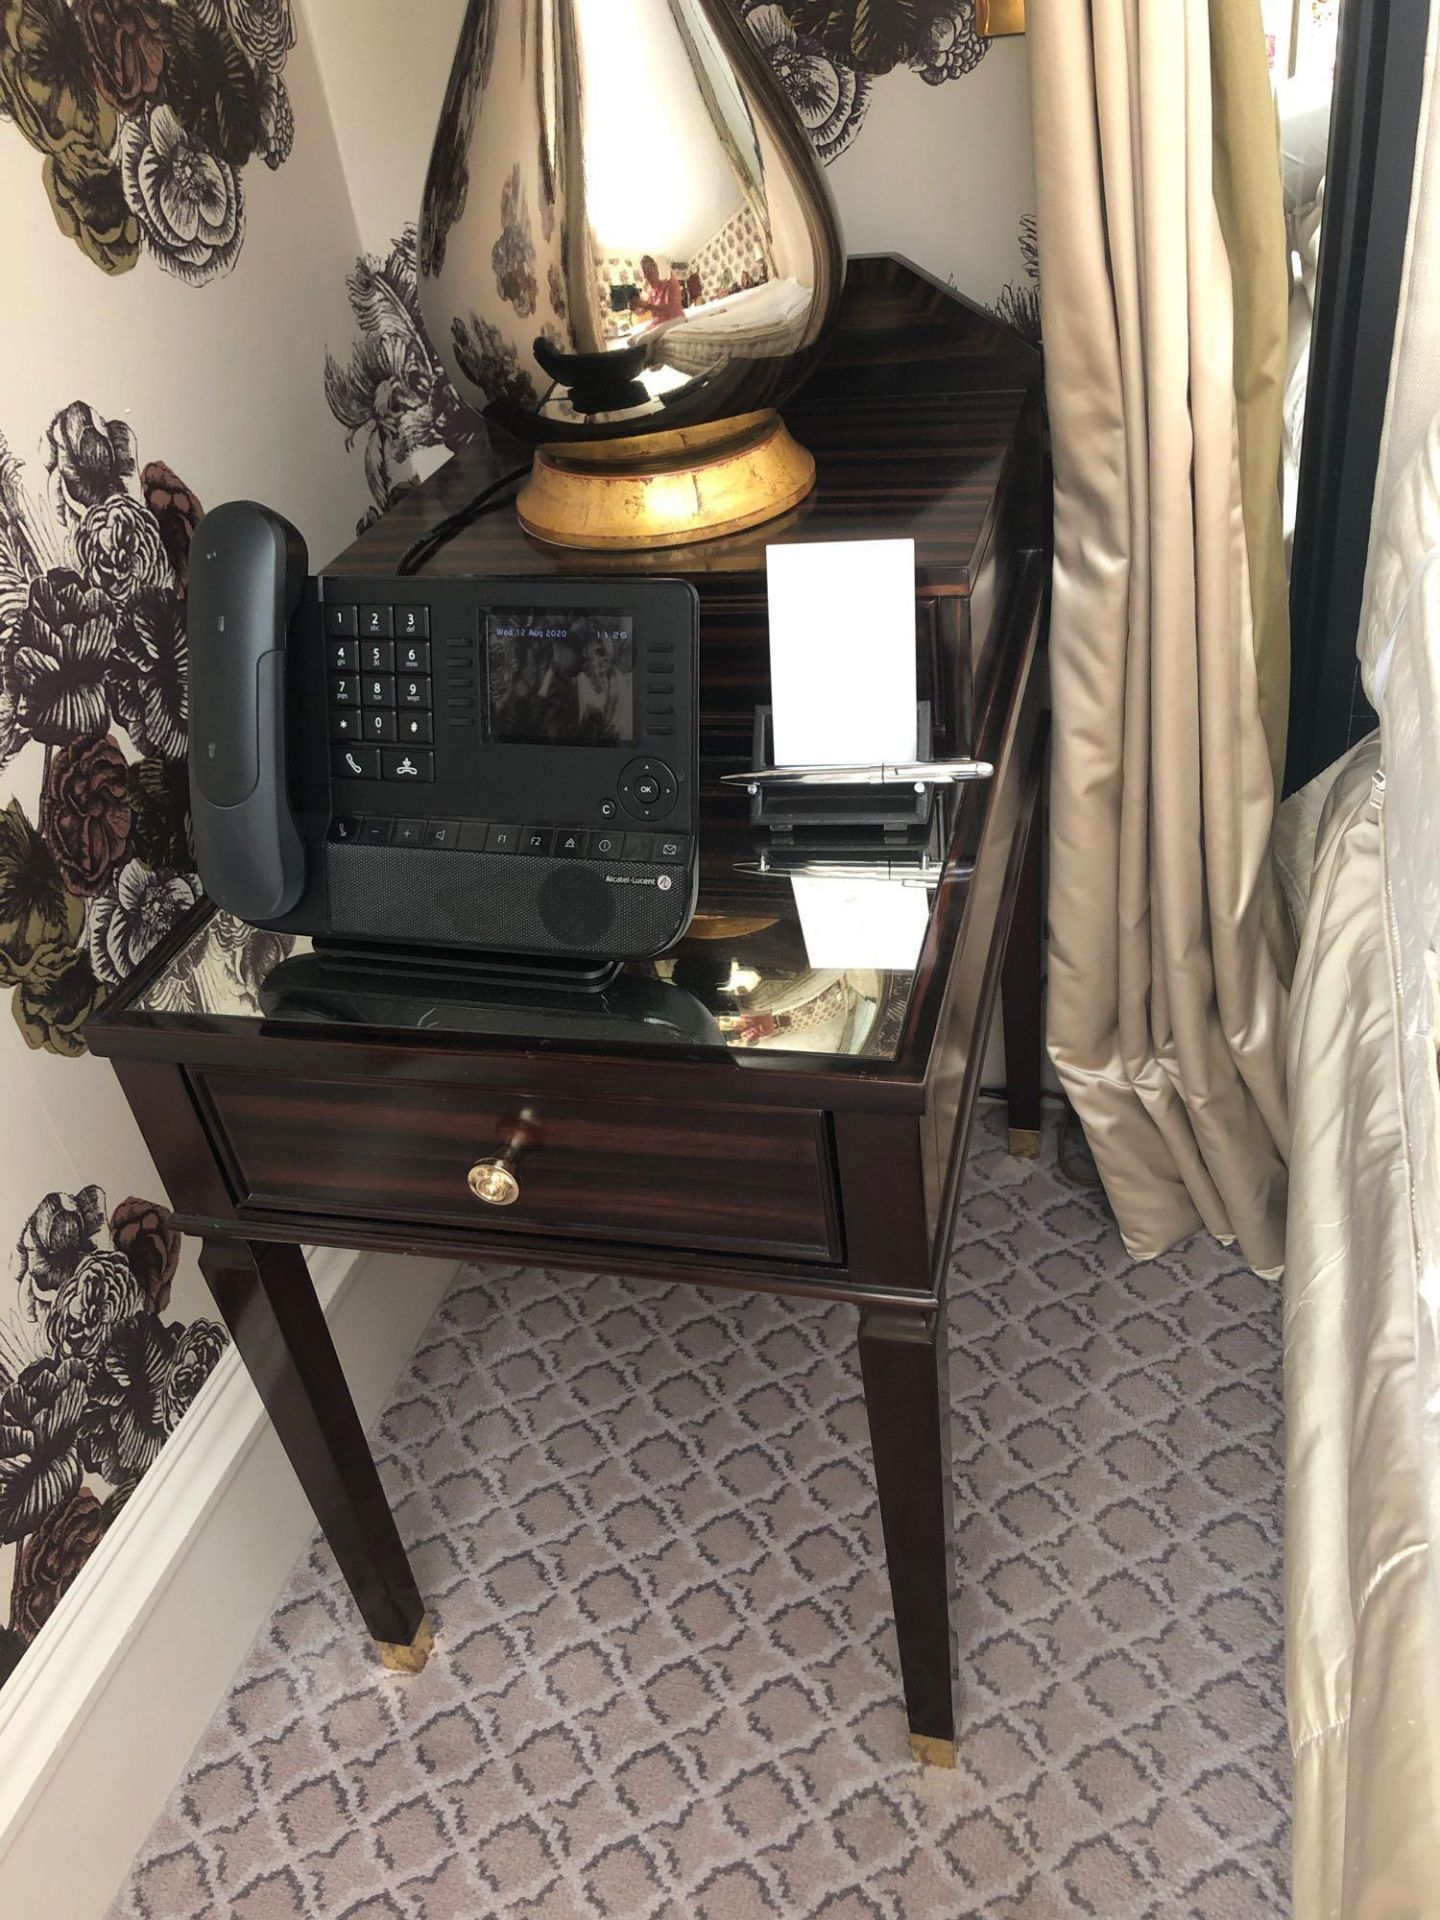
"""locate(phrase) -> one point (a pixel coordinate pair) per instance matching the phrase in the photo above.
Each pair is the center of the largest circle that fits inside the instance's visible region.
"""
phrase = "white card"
(842, 652)
(862, 923)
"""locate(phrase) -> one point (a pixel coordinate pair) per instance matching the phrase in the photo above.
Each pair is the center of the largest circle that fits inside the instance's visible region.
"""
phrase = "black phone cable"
(420, 552)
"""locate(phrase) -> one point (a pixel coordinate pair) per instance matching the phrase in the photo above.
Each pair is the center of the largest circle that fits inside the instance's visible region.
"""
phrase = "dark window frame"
(1374, 126)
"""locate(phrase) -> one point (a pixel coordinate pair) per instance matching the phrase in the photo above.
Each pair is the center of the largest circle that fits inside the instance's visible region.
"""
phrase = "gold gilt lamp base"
(666, 489)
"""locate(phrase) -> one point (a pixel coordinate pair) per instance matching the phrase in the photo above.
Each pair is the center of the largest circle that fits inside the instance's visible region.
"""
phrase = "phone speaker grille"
(425, 897)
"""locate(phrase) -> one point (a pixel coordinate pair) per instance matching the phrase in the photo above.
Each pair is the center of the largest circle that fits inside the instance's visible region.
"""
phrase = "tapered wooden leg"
(903, 1363)
(1021, 997)
(266, 1299)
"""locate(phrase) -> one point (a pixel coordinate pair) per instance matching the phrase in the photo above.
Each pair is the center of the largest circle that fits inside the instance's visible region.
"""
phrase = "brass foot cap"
(1025, 1143)
(931, 1751)
(411, 1658)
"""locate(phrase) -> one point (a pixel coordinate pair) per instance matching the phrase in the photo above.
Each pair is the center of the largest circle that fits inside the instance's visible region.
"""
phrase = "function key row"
(480, 836)
(376, 622)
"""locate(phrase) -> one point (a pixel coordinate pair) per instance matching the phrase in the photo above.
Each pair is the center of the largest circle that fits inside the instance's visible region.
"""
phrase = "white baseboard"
(99, 1718)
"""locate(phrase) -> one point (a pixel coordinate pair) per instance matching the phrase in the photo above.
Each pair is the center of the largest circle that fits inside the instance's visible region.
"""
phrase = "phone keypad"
(392, 689)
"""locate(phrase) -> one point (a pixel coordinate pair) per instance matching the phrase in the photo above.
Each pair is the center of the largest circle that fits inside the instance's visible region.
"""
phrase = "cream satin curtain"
(1163, 296)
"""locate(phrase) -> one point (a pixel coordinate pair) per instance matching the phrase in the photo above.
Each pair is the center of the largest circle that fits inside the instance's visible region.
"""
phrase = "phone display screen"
(561, 677)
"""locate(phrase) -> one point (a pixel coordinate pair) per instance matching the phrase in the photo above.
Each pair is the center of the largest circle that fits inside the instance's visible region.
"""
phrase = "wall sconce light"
(995, 18)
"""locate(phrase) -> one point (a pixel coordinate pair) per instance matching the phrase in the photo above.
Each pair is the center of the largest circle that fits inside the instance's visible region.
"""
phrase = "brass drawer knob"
(494, 1182)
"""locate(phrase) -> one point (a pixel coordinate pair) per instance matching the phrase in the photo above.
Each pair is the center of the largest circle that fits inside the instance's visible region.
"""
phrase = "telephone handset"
(492, 765)
(247, 576)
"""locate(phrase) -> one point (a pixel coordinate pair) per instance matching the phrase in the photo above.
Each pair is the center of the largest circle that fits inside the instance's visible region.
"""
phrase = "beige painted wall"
(385, 66)
(944, 175)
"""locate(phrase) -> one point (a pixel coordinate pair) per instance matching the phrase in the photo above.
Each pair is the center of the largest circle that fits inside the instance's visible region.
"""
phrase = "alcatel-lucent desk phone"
(501, 766)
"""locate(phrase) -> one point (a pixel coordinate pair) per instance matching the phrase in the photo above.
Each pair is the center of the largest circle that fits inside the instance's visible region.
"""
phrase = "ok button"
(648, 789)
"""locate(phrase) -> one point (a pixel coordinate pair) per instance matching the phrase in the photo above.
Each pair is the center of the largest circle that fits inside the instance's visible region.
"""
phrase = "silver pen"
(896, 872)
(916, 773)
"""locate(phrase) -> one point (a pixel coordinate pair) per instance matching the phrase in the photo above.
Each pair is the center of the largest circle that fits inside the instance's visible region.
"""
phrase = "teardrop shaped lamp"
(628, 258)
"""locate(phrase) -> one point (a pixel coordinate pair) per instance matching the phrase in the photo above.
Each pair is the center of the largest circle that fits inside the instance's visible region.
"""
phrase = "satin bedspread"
(1363, 1255)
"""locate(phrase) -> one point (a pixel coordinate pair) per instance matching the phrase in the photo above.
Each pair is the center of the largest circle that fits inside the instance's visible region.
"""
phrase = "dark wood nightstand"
(737, 1118)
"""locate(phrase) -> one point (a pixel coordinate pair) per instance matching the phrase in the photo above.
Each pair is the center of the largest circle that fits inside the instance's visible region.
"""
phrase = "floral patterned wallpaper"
(392, 395)
(146, 113)
(827, 54)
(129, 133)
(93, 566)
(95, 1380)
(92, 647)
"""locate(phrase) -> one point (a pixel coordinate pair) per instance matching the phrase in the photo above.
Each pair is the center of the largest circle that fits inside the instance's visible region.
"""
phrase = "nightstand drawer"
(752, 1180)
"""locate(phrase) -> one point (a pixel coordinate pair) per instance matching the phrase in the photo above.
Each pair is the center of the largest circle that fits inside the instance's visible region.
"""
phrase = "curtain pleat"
(1252, 220)
(1166, 1011)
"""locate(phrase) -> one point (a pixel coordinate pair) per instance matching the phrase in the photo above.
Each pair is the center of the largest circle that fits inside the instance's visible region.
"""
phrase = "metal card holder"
(893, 801)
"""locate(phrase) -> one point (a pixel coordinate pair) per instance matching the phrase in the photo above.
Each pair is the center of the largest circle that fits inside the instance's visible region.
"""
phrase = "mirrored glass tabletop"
(789, 952)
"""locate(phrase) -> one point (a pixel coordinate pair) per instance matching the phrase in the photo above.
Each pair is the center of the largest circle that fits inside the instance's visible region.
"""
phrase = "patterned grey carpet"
(666, 1682)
